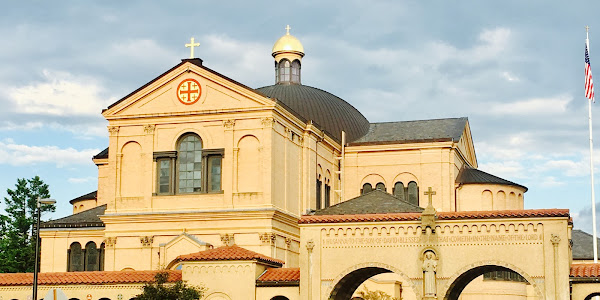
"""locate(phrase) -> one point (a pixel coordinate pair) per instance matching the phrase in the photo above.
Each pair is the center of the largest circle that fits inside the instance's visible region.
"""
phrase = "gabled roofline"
(195, 61)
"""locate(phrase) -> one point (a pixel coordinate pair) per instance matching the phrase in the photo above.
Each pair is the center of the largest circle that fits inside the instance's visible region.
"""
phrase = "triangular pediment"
(187, 88)
(182, 244)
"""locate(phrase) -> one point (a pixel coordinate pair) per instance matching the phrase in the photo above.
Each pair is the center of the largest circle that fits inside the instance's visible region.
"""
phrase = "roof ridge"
(503, 181)
(444, 215)
(421, 120)
(87, 277)
(221, 253)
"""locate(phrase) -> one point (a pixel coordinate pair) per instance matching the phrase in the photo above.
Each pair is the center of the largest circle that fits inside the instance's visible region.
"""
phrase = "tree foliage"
(366, 294)
(159, 290)
(17, 238)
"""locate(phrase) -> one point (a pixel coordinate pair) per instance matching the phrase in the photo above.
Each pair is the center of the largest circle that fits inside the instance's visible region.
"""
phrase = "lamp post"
(39, 203)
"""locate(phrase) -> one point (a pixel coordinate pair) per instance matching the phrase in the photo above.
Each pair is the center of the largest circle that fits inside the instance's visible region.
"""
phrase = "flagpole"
(595, 242)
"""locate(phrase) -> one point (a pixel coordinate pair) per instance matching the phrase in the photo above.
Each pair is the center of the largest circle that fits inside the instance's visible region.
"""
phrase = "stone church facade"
(289, 192)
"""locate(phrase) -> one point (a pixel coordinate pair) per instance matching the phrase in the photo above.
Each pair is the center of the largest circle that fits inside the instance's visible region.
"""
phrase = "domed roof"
(330, 112)
(288, 43)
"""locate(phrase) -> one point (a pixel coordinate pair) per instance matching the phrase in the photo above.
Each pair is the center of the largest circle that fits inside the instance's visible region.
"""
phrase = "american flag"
(589, 83)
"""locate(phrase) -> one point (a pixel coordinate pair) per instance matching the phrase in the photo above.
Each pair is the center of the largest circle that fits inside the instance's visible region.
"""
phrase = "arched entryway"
(592, 295)
(347, 283)
(346, 287)
(459, 283)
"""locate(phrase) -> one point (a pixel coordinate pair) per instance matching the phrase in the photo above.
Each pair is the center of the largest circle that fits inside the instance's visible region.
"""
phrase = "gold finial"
(192, 45)
(587, 28)
(287, 28)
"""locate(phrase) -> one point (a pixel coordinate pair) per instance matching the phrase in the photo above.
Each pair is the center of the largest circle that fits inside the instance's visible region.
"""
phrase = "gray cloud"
(514, 68)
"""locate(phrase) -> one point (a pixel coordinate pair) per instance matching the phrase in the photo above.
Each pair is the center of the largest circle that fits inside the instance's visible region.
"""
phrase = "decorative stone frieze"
(268, 238)
(149, 128)
(146, 241)
(110, 241)
(228, 124)
(227, 239)
(113, 130)
(267, 122)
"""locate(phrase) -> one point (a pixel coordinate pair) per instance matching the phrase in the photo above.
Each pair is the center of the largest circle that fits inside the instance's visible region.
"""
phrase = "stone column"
(555, 239)
(310, 245)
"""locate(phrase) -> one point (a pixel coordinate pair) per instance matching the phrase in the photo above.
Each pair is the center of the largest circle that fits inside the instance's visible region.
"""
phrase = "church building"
(287, 191)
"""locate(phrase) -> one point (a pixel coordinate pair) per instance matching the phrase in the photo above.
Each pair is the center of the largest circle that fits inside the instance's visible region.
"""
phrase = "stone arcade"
(288, 192)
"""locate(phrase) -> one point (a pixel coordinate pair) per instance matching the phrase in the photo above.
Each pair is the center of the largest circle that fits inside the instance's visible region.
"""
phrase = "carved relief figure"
(429, 270)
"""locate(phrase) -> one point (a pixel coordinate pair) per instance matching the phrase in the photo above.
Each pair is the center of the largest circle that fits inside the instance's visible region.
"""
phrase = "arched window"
(295, 71)
(189, 164)
(327, 193)
(399, 191)
(318, 192)
(75, 257)
(280, 298)
(92, 257)
(284, 70)
(380, 186)
(190, 169)
(367, 187)
(413, 193)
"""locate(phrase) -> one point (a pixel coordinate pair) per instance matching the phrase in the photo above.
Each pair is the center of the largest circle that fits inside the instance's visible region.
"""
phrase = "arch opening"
(592, 295)
(346, 287)
(500, 274)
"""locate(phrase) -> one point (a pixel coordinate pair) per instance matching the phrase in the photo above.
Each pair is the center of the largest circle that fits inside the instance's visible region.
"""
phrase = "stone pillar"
(555, 239)
(310, 245)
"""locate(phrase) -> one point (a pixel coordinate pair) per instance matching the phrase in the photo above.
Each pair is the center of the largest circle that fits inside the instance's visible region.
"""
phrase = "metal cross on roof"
(192, 45)
(429, 193)
(287, 28)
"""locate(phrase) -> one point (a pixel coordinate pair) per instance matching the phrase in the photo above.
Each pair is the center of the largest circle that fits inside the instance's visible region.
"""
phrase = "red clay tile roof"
(585, 270)
(233, 252)
(492, 214)
(280, 274)
(98, 277)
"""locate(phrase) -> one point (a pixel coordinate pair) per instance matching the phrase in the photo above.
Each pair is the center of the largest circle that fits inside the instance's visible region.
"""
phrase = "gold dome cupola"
(288, 53)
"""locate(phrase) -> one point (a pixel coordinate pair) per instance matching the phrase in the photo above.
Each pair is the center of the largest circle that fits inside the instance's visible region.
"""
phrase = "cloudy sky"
(515, 68)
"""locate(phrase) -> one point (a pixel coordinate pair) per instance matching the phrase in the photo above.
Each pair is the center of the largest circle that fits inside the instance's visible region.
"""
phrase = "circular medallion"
(189, 91)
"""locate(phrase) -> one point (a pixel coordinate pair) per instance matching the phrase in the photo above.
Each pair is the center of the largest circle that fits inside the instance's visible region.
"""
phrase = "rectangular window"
(214, 173)
(164, 176)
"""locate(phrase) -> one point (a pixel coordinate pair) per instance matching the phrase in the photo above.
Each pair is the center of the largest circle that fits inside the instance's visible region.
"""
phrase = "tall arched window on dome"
(283, 70)
(295, 72)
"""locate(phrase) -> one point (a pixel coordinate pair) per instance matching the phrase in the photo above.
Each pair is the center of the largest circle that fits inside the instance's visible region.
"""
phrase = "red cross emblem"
(189, 91)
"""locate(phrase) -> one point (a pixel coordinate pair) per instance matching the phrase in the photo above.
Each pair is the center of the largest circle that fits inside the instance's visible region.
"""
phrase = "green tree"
(17, 239)
(375, 295)
(159, 290)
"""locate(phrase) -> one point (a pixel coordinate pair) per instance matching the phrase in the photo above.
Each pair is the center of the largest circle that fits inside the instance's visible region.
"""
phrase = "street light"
(37, 242)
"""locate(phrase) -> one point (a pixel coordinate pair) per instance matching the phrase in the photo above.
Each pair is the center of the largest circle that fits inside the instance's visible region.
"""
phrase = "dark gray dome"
(330, 112)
